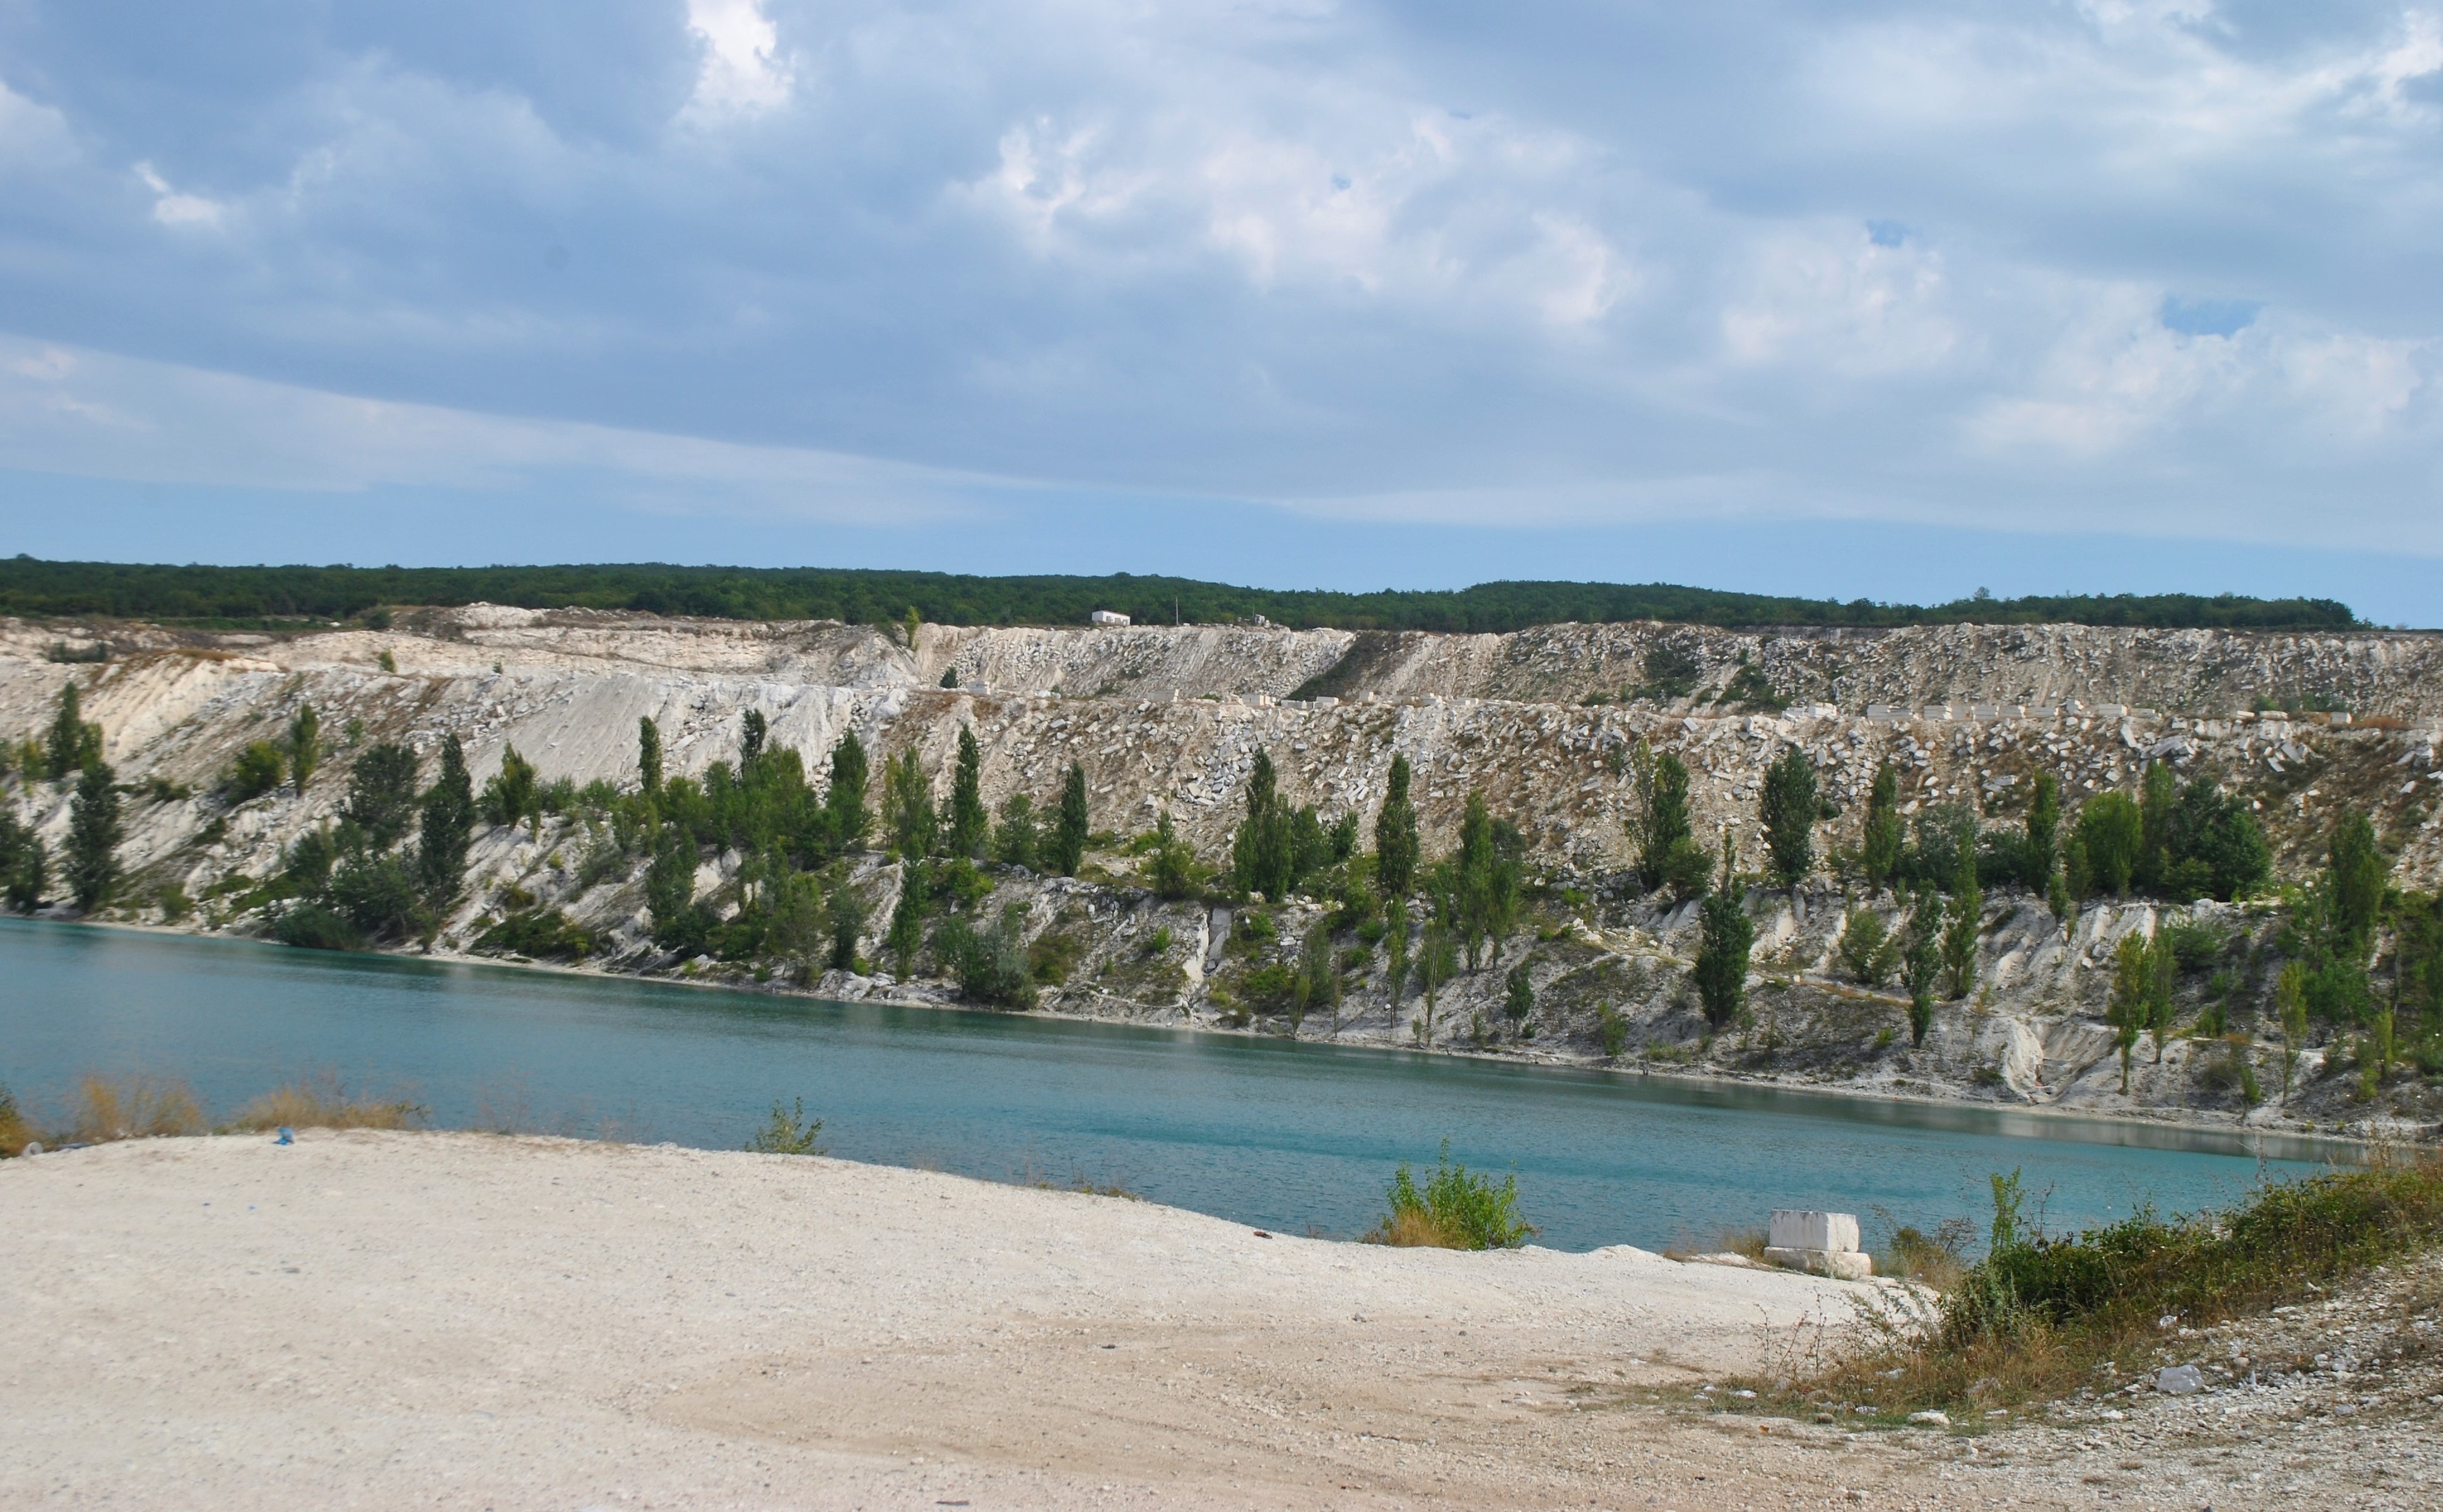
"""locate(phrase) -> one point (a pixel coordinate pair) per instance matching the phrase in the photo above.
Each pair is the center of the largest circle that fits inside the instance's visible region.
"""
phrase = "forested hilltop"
(36, 588)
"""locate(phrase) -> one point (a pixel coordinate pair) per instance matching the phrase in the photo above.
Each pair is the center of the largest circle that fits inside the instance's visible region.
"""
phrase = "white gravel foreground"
(451, 1320)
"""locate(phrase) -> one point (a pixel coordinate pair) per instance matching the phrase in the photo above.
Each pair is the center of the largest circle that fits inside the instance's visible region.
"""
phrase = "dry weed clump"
(1411, 1228)
(324, 1103)
(1748, 1243)
(133, 1108)
(14, 1133)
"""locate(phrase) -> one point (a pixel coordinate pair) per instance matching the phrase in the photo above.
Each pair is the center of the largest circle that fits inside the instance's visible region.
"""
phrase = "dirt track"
(381, 1319)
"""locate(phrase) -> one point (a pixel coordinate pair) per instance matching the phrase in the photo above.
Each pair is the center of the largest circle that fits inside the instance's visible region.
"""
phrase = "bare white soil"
(387, 1320)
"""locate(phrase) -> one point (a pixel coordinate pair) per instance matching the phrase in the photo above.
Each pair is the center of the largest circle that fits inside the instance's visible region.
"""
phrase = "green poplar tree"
(1396, 845)
(1667, 853)
(1395, 949)
(1436, 958)
(25, 865)
(304, 745)
(2359, 873)
(447, 817)
(845, 914)
(1261, 854)
(907, 805)
(670, 888)
(1172, 867)
(92, 858)
(1473, 900)
(515, 792)
(2044, 831)
(2162, 974)
(970, 827)
(906, 933)
(381, 793)
(73, 743)
(844, 803)
(1018, 840)
(1963, 923)
(1922, 961)
(1789, 806)
(649, 756)
(2158, 800)
(1727, 935)
(2106, 845)
(1884, 835)
(1070, 831)
(2130, 1006)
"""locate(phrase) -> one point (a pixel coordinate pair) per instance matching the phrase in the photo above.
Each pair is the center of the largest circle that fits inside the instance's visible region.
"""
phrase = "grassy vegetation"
(267, 596)
(13, 1129)
(2045, 1318)
(132, 1107)
(103, 1110)
(322, 1102)
(788, 1131)
(1455, 1209)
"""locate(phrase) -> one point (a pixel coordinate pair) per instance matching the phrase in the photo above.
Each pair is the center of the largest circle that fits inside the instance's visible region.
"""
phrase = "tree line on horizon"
(34, 588)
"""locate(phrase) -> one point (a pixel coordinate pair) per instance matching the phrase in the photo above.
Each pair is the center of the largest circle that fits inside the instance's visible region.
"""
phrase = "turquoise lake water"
(1283, 1135)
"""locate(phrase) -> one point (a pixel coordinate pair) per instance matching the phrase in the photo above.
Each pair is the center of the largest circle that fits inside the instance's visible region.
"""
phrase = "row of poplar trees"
(71, 747)
(2175, 841)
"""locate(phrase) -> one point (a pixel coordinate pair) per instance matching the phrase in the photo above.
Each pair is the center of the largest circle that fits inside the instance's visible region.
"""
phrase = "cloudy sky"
(1895, 297)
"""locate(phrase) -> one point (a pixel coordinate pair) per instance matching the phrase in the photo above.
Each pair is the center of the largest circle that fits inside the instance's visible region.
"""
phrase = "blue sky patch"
(2209, 317)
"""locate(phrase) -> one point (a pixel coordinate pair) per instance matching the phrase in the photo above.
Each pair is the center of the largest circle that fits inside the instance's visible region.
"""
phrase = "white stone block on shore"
(1824, 1243)
(1799, 1228)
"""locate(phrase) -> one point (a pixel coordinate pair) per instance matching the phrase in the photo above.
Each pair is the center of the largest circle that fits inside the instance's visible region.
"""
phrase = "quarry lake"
(1285, 1136)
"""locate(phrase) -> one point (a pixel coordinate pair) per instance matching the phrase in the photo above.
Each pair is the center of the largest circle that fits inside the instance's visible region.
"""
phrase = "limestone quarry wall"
(2209, 673)
(181, 714)
(1175, 723)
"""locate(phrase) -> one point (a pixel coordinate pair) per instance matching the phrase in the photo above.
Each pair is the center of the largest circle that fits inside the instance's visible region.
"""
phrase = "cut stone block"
(1824, 1243)
(1799, 1228)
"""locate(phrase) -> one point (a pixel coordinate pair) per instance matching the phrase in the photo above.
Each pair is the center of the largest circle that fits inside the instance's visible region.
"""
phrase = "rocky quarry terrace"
(1170, 719)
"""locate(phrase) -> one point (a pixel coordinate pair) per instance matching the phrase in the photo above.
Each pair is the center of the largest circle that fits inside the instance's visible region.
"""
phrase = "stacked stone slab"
(1823, 1243)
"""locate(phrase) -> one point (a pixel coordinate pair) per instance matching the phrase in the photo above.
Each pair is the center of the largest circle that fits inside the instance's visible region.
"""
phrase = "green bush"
(1052, 957)
(2195, 944)
(1272, 988)
(545, 934)
(311, 926)
(252, 773)
(991, 964)
(1867, 952)
(1518, 993)
(1672, 671)
(1455, 1209)
(1612, 1029)
(2202, 1267)
(788, 1131)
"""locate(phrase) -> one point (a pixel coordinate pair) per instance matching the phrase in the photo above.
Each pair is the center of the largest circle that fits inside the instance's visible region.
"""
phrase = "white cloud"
(1835, 301)
(32, 136)
(2119, 380)
(743, 70)
(171, 207)
(1911, 258)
